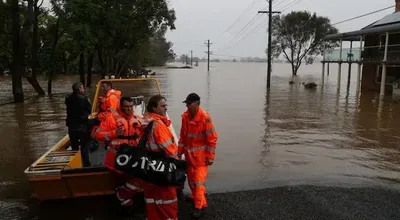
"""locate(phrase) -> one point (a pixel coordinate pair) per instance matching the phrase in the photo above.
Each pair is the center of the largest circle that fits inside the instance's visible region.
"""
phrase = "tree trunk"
(35, 37)
(16, 58)
(24, 41)
(101, 61)
(112, 65)
(35, 84)
(89, 70)
(65, 64)
(107, 65)
(49, 85)
(294, 70)
(20, 43)
(34, 64)
(82, 67)
(116, 73)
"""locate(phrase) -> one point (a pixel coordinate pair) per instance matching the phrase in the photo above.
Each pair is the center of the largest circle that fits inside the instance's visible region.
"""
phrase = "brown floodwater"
(288, 136)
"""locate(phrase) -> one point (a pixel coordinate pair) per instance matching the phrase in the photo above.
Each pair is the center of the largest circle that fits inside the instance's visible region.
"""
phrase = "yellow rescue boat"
(59, 174)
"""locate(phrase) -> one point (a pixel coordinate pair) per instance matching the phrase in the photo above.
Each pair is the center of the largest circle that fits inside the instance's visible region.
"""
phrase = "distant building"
(377, 58)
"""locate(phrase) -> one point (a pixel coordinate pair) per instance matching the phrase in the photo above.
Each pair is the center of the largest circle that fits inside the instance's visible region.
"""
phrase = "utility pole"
(208, 54)
(269, 12)
(191, 58)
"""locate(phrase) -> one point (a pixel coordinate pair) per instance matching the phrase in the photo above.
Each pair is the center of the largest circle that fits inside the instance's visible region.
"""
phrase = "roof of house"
(388, 19)
(388, 23)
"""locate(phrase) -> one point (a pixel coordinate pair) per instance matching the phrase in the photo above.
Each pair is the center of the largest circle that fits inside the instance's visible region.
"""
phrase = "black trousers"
(80, 136)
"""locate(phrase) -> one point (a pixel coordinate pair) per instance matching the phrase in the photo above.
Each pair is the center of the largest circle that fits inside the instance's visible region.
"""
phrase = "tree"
(159, 50)
(21, 39)
(300, 35)
(17, 52)
(184, 58)
(5, 37)
(78, 36)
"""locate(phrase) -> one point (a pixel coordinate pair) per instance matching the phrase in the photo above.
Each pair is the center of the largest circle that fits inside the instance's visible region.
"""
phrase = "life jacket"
(160, 136)
(108, 102)
(198, 138)
(107, 131)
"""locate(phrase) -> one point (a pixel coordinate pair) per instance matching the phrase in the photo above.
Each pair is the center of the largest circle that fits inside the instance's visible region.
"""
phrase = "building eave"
(355, 35)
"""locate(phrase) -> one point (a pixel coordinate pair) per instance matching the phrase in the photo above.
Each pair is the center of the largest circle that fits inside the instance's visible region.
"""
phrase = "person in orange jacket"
(198, 140)
(110, 100)
(161, 202)
(121, 126)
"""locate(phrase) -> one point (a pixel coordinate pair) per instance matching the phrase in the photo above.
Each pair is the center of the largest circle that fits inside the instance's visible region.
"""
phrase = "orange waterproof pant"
(128, 191)
(197, 183)
(161, 202)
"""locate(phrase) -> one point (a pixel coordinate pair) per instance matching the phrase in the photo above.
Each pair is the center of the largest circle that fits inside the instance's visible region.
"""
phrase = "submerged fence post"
(350, 60)
(359, 66)
(323, 68)
(384, 67)
(340, 64)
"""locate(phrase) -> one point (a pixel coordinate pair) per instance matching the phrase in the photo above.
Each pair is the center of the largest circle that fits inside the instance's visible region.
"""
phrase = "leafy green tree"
(300, 35)
(78, 36)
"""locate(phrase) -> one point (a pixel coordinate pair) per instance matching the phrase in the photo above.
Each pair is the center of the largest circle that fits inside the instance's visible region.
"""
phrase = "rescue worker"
(161, 202)
(109, 101)
(78, 111)
(121, 126)
(197, 142)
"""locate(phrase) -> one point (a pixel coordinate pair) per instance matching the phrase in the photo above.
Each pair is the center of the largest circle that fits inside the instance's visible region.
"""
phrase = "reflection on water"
(287, 135)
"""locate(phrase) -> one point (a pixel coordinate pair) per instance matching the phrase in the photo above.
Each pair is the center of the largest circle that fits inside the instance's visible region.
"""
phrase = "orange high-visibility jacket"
(111, 99)
(160, 137)
(161, 202)
(108, 102)
(107, 132)
(198, 138)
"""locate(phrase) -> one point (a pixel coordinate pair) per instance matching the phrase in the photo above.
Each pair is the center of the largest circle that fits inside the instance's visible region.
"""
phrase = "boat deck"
(97, 157)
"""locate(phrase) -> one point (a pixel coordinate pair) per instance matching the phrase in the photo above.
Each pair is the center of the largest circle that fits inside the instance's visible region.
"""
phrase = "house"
(378, 55)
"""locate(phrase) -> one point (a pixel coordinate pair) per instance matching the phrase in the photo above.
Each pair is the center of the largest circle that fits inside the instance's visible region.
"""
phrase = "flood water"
(290, 135)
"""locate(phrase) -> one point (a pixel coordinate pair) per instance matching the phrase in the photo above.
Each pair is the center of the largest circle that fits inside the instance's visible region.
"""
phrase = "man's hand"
(120, 131)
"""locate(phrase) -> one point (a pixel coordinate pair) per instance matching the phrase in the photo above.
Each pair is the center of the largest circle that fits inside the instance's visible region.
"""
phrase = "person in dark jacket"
(78, 111)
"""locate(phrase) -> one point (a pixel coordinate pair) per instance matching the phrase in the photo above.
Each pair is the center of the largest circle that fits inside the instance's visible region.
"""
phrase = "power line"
(291, 5)
(360, 16)
(279, 3)
(253, 31)
(243, 13)
(286, 4)
(248, 25)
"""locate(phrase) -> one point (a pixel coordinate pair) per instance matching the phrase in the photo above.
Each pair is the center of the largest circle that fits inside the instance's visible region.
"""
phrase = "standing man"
(198, 140)
(78, 111)
(110, 100)
(161, 202)
(119, 127)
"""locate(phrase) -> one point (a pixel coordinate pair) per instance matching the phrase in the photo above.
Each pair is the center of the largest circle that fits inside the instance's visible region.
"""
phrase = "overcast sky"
(198, 21)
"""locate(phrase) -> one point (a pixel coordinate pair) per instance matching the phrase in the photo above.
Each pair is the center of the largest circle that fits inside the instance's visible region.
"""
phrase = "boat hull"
(91, 183)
